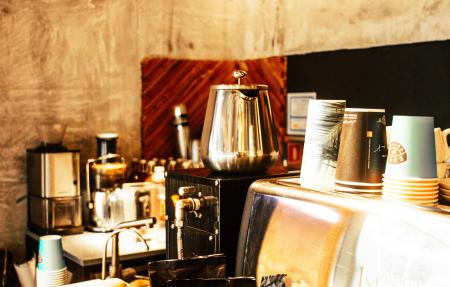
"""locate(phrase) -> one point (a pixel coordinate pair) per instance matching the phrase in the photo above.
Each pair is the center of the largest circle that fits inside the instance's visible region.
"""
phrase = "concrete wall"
(77, 61)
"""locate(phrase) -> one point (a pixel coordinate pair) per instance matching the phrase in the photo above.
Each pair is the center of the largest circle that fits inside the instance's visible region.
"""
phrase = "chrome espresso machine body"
(322, 239)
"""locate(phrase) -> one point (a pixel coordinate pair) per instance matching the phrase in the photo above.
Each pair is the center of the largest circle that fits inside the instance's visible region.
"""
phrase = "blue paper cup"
(412, 151)
(50, 256)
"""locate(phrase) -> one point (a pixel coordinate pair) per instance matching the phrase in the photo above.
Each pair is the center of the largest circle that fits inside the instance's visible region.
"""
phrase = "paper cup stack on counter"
(321, 147)
(362, 152)
(51, 269)
(410, 175)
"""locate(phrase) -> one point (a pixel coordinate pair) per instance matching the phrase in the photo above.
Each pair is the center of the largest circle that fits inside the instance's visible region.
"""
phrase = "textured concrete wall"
(77, 61)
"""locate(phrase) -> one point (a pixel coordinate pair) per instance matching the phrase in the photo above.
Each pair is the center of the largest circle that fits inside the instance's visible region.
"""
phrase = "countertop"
(87, 249)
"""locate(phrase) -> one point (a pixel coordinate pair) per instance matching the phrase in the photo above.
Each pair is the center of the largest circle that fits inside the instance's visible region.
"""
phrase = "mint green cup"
(50, 257)
(412, 151)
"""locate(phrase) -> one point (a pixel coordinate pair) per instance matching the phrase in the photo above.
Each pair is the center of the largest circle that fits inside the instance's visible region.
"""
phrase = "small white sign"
(297, 111)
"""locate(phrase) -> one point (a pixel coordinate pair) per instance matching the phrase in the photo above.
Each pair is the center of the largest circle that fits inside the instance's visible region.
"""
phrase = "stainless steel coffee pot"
(239, 132)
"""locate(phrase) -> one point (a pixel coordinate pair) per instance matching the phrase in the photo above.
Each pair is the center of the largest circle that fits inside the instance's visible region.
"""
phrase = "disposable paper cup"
(356, 190)
(410, 184)
(321, 147)
(51, 278)
(410, 188)
(50, 256)
(430, 198)
(410, 200)
(363, 146)
(412, 151)
(412, 179)
(408, 192)
(359, 184)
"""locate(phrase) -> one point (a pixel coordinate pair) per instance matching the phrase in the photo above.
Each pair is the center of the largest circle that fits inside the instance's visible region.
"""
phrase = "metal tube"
(115, 251)
(180, 249)
(115, 270)
(105, 250)
(181, 207)
(88, 182)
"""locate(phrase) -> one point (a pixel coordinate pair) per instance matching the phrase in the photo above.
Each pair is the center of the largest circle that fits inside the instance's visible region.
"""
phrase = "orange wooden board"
(169, 82)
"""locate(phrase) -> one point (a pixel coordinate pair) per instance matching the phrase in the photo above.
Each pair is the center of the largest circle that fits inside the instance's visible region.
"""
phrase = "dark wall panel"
(409, 79)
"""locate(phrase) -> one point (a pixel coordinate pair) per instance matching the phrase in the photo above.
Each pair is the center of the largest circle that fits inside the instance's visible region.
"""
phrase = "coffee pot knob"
(239, 74)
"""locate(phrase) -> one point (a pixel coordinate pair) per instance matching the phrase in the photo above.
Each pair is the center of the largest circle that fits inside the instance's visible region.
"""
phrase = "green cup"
(412, 151)
(50, 257)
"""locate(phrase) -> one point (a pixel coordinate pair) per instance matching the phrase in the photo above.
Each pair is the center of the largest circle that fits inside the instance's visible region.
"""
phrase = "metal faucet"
(115, 270)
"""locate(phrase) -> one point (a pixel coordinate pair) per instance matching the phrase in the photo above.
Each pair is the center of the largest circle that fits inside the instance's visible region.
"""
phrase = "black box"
(216, 228)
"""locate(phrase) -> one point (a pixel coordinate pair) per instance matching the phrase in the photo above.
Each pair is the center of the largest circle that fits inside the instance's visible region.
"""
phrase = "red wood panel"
(169, 82)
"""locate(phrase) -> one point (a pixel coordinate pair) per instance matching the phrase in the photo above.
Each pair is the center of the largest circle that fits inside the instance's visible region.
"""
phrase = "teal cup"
(50, 256)
(412, 151)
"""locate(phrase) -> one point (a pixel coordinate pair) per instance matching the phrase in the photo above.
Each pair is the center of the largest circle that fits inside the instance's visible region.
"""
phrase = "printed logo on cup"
(397, 153)
(39, 258)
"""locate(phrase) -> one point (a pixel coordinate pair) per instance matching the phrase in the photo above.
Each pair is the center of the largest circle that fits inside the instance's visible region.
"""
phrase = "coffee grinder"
(105, 175)
(53, 181)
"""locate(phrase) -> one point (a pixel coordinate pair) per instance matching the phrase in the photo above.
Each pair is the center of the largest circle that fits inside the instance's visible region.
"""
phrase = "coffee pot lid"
(238, 75)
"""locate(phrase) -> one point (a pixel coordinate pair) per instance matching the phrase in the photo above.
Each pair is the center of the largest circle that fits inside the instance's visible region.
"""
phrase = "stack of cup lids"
(444, 189)
(410, 175)
(51, 269)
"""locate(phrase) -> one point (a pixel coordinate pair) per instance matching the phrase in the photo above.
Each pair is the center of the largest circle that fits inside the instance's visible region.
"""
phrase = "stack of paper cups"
(51, 269)
(323, 126)
(410, 175)
(362, 151)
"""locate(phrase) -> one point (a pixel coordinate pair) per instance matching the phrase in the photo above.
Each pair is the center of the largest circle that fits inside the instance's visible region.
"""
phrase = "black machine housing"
(214, 228)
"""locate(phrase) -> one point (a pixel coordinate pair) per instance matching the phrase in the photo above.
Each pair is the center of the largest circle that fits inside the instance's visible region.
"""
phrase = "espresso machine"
(105, 175)
(53, 181)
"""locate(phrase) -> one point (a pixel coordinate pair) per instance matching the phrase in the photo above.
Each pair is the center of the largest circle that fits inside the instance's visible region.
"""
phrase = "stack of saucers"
(444, 189)
(417, 191)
